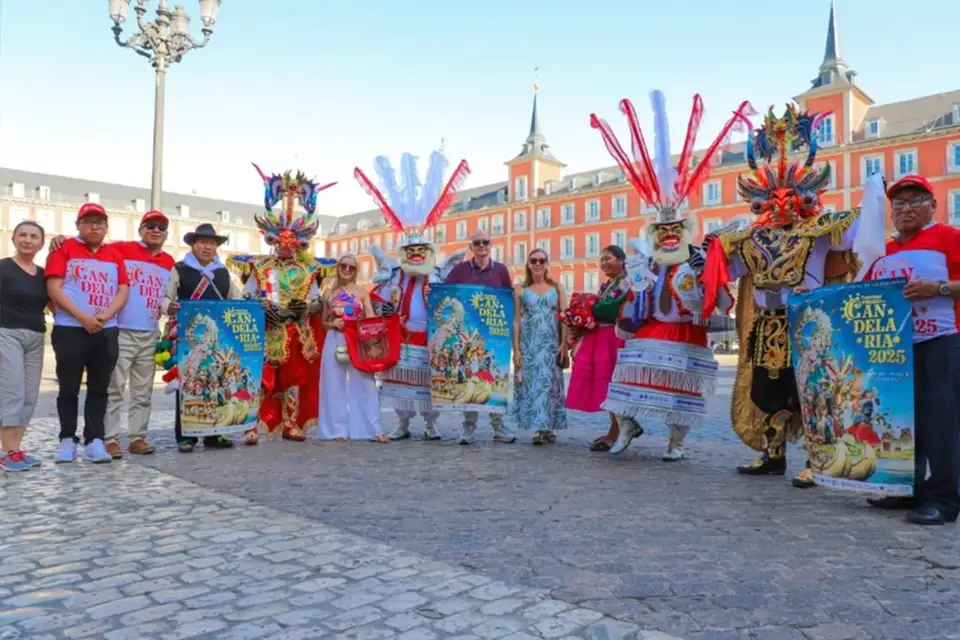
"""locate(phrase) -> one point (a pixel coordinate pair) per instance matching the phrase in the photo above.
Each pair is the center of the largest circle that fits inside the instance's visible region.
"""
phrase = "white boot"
(674, 452)
(402, 432)
(430, 431)
(629, 429)
(466, 433)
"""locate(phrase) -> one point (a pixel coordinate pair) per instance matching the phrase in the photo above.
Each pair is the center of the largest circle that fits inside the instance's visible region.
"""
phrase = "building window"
(593, 245)
(573, 184)
(520, 186)
(442, 233)
(461, 230)
(47, 220)
(591, 281)
(619, 238)
(953, 206)
(712, 225)
(618, 206)
(873, 129)
(543, 218)
(520, 253)
(243, 242)
(119, 229)
(483, 225)
(956, 113)
(139, 205)
(68, 222)
(567, 214)
(365, 271)
(712, 193)
(825, 134)
(520, 221)
(871, 165)
(593, 211)
(18, 215)
(43, 192)
(953, 157)
(648, 209)
(388, 241)
(544, 245)
(566, 279)
(567, 247)
(496, 225)
(905, 163)
(17, 190)
(364, 244)
(498, 253)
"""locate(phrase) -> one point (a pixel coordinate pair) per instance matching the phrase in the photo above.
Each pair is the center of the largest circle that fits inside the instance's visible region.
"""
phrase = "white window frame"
(364, 244)
(119, 229)
(461, 230)
(619, 211)
(899, 153)
(388, 241)
(648, 209)
(354, 246)
(953, 157)
(43, 192)
(707, 222)
(863, 166)
(564, 254)
(591, 280)
(587, 251)
(592, 211)
(441, 233)
(364, 270)
(48, 220)
(483, 224)
(872, 129)
(520, 220)
(956, 113)
(520, 189)
(543, 244)
(519, 252)
(497, 229)
(18, 190)
(953, 206)
(717, 199)
(568, 214)
(619, 241)
(568, 280)
(16, 215)
(830, 120)
(498, 252)
(544, 214)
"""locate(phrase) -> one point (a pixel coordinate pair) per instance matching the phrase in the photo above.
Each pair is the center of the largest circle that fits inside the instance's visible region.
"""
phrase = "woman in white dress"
(349, 399)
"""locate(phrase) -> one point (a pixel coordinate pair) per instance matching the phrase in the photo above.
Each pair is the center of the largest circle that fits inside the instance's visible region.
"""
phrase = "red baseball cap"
(154, 216)
(91, 209)
(906, 182)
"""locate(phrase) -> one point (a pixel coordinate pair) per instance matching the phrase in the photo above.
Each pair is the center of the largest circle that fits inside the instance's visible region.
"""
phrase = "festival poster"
(470, 338)
(852, 350)
(220, 362)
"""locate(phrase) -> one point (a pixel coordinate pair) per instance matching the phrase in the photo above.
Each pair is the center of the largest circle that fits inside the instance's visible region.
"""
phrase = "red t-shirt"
(91, 279)
(933, 254)
(148, 276)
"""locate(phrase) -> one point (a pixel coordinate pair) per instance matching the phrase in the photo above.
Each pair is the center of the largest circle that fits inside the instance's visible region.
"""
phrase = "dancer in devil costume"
(288, 283)
(665, 369)
(410, 208)
(791, 246)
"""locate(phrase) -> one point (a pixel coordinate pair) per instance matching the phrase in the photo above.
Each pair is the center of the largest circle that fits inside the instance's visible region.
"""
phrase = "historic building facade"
(574, 216)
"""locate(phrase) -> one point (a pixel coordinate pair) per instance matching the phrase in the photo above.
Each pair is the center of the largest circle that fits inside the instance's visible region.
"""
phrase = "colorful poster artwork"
(220, 355)
(852, 351)
(470, 338)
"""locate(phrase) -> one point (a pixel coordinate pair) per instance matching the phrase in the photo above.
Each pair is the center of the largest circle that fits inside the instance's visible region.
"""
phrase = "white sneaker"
(629, 429)
(466, 433)
(67, 451)
(97, 453)
(430, 432)
(402, 432)
(503, 435)
(673, 453)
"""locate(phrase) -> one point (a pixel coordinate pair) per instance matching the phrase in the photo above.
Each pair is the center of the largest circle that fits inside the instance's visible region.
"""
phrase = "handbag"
(373, 344)
(341, 355)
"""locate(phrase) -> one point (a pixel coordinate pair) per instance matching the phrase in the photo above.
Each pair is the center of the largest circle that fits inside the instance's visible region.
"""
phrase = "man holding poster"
(927, 253)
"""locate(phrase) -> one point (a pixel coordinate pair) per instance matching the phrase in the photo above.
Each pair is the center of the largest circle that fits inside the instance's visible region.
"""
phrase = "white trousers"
(135, 364)
(678, 433)
(349, 399)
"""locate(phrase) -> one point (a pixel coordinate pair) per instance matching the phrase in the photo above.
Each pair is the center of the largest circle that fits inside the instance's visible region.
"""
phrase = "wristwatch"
(944, 289)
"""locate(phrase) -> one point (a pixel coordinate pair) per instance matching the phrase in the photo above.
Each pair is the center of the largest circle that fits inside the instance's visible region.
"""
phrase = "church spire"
(536, 145)
(833, 69)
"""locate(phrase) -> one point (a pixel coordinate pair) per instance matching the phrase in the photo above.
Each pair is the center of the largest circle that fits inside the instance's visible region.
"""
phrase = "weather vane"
(536, 78)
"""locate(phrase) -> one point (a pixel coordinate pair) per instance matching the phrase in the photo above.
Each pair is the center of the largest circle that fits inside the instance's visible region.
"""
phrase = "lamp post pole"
(163, 41)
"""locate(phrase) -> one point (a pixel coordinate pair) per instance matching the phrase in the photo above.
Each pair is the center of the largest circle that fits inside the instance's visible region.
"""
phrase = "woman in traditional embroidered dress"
(595, 356)
(539, 351)
(349, 400)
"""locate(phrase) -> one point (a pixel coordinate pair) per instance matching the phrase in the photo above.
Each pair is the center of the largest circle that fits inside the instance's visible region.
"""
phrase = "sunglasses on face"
(538, 261)
(153, 226)
(916, 201)
(481, 243)
(348, 267)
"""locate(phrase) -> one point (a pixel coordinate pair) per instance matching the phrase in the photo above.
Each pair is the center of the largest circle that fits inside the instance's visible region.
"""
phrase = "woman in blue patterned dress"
(539, 351)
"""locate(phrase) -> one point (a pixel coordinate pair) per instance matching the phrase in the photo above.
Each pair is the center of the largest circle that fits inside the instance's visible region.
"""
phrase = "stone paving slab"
(122, 551)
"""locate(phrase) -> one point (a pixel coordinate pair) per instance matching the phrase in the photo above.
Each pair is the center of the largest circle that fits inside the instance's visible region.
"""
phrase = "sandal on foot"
(539, 438)
(599, 445)
(185, 447)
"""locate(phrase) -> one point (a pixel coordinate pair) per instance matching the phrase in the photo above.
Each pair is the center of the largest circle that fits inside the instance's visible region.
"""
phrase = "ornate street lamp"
(162, 41)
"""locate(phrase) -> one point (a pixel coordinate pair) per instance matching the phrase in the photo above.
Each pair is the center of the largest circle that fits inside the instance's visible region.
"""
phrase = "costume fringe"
(405, 404)
(408, 375)
(687, 381)
(641, 412)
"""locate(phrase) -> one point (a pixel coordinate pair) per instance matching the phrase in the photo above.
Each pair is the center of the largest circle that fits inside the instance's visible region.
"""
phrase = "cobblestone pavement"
(688, 549)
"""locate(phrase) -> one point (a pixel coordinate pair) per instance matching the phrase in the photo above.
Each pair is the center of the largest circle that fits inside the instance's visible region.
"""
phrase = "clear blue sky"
(331, 84)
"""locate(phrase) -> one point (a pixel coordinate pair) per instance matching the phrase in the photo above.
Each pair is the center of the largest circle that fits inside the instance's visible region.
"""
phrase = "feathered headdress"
(292, 190)
(411, 207)
(773, 143)
(656, 180)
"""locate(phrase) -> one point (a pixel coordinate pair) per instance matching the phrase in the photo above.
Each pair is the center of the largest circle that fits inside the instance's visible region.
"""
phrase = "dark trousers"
(77, 351)
(936, 392)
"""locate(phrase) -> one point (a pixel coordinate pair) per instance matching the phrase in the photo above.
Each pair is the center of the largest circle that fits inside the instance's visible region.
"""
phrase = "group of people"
(638, 347)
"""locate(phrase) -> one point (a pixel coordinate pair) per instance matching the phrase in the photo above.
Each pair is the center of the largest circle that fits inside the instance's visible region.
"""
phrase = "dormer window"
(363, 225)
(825, 78)
(598, 179)
(224, 216)
(873, 128)
(573, 184)
(548, 187)
(16, 190)
(139, 205)
(93, 197)
(43, 192)
(183, 211)
(956, 113)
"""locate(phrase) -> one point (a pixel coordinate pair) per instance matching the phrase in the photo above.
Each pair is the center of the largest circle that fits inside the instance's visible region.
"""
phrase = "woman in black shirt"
(23, 298)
